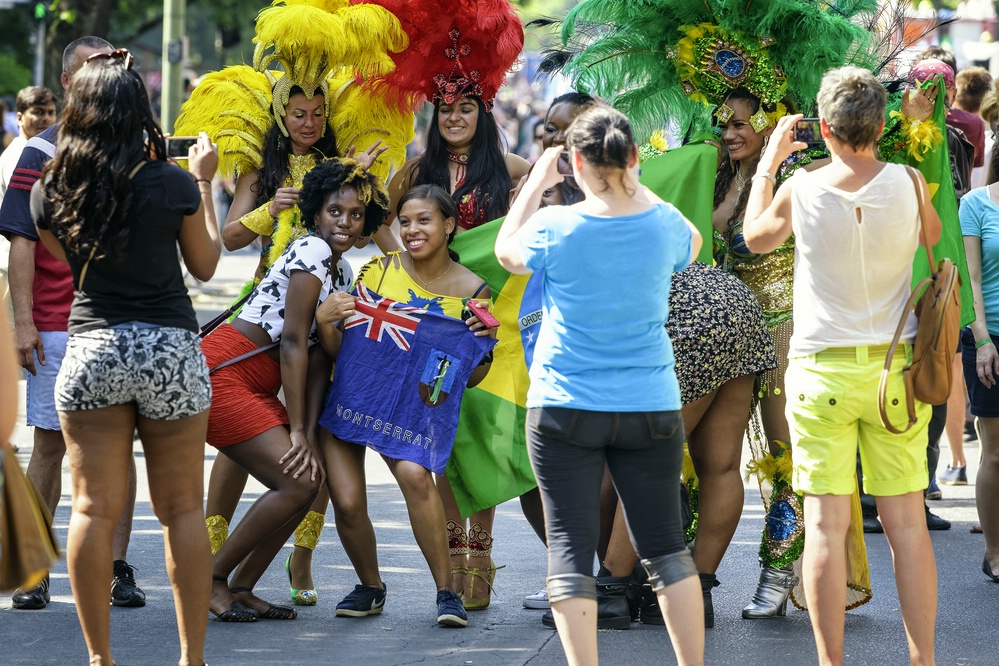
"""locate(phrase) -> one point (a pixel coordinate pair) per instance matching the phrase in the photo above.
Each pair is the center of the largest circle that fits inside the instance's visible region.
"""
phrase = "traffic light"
(41, 11)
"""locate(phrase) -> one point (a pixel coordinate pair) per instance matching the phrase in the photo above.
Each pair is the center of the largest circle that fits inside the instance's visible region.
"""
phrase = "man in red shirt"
(41, 289)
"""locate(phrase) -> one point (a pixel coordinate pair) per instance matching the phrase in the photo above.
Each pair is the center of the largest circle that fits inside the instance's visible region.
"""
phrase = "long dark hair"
(277, 148)
(726, 170)
(486, 173)
(445, 205)
(107, 129)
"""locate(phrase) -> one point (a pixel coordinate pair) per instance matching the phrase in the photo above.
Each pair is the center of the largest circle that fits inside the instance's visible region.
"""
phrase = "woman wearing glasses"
(115, 214)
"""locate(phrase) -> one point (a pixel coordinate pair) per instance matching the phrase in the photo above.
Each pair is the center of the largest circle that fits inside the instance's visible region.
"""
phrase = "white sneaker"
(538, 600)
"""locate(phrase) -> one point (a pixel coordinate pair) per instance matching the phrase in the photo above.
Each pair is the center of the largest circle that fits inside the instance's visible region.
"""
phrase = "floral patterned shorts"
(160, 370)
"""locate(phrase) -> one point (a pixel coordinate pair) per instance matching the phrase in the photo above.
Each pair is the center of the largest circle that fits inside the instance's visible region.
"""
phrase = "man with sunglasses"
(41, 289)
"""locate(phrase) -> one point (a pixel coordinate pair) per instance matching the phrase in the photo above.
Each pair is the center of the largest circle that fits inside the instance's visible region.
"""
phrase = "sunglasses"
(117, 54)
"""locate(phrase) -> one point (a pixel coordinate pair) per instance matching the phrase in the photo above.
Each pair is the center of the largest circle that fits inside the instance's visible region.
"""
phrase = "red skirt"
(244, 394)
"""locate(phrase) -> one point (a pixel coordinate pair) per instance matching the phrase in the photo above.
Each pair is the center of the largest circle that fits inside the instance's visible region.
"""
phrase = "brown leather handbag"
(938, 311)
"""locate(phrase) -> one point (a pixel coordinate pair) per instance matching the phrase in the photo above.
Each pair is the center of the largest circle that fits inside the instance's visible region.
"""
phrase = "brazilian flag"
(489, 463)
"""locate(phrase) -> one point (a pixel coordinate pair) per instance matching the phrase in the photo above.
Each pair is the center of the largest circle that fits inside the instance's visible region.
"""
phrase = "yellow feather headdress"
(324, 45)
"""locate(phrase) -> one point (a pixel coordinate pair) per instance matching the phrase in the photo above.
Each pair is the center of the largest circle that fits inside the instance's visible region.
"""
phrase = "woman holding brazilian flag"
(776, 46)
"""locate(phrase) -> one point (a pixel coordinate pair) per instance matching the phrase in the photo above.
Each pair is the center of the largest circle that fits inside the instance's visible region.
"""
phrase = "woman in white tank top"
(856, 226)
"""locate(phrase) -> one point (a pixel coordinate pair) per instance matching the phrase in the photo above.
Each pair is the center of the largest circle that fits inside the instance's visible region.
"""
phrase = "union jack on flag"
(383, 315)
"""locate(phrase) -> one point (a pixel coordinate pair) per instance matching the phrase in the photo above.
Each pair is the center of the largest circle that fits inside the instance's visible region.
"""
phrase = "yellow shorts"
(832, 409)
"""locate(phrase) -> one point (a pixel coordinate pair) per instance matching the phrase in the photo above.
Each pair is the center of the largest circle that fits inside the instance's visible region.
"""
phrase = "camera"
(178, 147)
(565, 163)
(809, 130)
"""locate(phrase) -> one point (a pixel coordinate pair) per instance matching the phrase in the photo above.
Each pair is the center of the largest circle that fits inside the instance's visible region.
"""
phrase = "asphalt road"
(505, 633)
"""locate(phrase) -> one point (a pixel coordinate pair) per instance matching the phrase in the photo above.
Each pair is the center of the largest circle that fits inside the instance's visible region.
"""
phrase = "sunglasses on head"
(118, 54)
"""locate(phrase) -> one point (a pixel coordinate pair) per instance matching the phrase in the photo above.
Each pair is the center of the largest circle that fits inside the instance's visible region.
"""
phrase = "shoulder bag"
(938, 312)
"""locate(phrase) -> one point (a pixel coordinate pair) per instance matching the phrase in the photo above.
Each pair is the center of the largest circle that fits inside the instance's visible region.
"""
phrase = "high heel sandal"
(480, 544)
(307, 536)
(770, 599)
(457, 545)
(236, 612)
(273, 612)
(987, 570)
(218, 532)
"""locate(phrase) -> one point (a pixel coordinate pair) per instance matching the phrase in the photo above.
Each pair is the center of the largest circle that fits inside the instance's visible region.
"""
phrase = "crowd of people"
(778, 330)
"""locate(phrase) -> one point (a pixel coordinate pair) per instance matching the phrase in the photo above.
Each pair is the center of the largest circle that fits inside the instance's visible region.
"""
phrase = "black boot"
(612, 604)
(708, 581)
(650, 611)
(634, 593)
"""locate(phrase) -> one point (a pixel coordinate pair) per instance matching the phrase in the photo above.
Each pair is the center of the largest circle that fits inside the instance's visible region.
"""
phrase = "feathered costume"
(326, 46)
(673, 63)
(457, 48)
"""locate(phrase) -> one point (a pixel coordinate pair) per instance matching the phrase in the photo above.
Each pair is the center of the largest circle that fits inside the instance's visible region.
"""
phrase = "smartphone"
(481, 310)
(808, 130)
(178, 146)
(565, 163)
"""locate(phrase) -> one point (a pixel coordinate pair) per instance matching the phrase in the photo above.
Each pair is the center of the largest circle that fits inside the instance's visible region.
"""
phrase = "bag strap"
(922, 216)
(910, 403)
(228, 312)
(241, 357)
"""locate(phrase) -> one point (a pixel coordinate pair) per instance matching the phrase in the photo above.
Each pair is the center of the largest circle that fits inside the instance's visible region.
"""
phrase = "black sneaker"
(33, 598)
(124, 591)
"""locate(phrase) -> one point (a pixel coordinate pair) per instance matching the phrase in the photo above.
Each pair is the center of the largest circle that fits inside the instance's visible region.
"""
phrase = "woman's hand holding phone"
(203, 158)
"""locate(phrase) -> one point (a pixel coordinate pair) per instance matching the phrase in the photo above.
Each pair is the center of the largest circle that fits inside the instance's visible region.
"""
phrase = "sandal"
(236, 612)
(273, 612)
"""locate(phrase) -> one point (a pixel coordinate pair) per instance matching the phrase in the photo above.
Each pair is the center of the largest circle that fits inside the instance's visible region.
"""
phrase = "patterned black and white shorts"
(159, 369)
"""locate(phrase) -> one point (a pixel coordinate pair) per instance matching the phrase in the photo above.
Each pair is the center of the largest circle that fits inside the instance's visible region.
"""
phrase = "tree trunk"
(88, 17)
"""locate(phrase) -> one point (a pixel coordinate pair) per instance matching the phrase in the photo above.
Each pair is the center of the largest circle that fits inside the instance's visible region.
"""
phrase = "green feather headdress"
(665, 62)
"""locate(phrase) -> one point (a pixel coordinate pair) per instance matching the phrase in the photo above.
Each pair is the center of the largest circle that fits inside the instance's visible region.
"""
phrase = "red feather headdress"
(456, 49)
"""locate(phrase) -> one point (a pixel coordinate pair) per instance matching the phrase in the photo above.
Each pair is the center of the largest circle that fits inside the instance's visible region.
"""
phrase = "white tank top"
(852, 260)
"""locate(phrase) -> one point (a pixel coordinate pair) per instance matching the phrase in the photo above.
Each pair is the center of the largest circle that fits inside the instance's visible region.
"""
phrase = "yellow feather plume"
(360, 118)
(233, 107)
(769, 467)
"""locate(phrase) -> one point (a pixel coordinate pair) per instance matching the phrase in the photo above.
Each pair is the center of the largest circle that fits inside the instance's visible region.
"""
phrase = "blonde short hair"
(852, 102)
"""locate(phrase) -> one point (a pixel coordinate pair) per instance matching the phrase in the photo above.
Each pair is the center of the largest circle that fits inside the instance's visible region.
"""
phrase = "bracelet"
(982, 343)
(203, 180)
(765, 174)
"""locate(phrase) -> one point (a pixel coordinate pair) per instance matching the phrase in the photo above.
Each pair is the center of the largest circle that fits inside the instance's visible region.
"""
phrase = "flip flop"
(976, 528)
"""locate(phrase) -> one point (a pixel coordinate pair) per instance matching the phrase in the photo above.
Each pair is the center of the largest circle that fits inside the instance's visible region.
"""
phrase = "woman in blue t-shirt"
(603, 386)
(980, 227)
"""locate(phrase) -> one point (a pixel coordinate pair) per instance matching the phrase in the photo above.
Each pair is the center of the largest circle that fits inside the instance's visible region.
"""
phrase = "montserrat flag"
(489, 464)
(399, 379)
(934, 163)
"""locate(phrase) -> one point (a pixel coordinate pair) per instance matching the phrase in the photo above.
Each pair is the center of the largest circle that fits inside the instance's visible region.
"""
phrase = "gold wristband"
(259, 221)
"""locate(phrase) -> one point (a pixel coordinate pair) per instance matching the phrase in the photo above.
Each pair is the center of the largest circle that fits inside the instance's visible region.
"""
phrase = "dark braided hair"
(332, 175)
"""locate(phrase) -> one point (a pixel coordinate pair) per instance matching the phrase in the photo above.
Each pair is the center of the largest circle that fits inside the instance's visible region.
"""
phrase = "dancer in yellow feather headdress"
(272, 127)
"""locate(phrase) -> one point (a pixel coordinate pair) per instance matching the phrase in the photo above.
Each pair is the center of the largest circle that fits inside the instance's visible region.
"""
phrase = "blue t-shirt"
(980, 218)
(605, 299)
